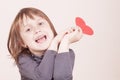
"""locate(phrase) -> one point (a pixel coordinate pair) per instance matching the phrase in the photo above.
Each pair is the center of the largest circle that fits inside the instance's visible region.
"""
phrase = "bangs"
(29, 12)
(26, 13)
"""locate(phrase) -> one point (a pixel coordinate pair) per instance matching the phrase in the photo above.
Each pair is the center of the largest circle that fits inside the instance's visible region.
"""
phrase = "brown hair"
(15, 43)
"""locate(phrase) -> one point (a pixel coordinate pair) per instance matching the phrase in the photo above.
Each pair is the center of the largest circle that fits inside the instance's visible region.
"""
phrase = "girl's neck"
(39, 53)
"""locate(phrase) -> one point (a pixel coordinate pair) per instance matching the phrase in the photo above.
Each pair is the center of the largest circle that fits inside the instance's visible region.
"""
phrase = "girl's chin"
(38, 50)
(43, 47)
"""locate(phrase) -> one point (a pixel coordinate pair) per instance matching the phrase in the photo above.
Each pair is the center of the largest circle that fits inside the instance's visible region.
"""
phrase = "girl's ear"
(25, 46)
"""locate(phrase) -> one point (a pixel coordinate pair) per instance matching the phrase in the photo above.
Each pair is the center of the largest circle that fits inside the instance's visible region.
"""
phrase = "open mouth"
(41, 39)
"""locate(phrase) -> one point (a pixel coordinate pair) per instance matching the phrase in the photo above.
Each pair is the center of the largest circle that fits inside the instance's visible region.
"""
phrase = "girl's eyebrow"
(25, 25)
(40, 19)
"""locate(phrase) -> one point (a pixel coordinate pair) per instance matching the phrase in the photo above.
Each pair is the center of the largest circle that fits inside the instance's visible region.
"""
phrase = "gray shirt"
(51, 66)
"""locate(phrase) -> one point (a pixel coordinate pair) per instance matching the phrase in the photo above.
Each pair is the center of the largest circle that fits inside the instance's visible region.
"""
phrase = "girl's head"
(31, 30)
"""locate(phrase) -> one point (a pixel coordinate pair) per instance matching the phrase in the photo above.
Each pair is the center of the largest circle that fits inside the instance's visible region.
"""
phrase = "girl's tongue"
(40, 39)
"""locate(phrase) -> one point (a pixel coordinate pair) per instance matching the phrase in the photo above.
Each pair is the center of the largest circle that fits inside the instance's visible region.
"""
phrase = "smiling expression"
(36, 34)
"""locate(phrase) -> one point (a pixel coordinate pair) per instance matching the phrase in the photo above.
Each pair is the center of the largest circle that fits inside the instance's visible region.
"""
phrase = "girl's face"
(36, 34)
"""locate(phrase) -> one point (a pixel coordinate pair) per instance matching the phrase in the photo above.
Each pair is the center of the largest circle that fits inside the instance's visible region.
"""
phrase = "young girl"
(39, 52)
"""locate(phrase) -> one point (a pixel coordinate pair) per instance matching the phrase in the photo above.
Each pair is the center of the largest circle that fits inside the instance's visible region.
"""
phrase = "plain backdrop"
(97, 56)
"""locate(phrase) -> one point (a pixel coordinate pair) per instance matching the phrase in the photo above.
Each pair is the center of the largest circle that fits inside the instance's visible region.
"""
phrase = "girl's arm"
(64, 60)
(37, 71)
(64, 63)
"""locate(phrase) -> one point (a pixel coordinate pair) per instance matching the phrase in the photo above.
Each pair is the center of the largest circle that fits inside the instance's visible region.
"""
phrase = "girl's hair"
(15, 43)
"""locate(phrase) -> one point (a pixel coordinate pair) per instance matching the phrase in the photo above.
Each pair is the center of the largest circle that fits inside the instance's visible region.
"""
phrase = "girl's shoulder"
(24, 56)
(27, 57)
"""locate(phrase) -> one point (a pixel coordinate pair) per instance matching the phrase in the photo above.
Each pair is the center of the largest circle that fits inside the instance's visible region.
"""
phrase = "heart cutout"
(85, 28)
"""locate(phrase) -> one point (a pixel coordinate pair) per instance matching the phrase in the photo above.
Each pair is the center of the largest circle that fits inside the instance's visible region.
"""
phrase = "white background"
(97, 56)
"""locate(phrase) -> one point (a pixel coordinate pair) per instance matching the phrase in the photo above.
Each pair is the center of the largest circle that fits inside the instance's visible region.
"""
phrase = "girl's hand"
(73, 34)
(56, 41)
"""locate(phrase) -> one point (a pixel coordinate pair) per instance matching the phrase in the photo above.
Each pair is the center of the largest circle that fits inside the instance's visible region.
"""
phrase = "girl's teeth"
(40, 40)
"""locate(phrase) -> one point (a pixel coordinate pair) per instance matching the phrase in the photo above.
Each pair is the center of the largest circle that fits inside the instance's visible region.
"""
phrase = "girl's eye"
(27, 30)
(40, 23)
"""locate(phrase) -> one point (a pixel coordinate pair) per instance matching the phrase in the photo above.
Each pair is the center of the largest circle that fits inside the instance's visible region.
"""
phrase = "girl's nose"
(37, 31)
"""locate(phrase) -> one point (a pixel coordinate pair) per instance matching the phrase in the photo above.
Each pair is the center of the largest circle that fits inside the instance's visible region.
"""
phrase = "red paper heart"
(86, 29)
